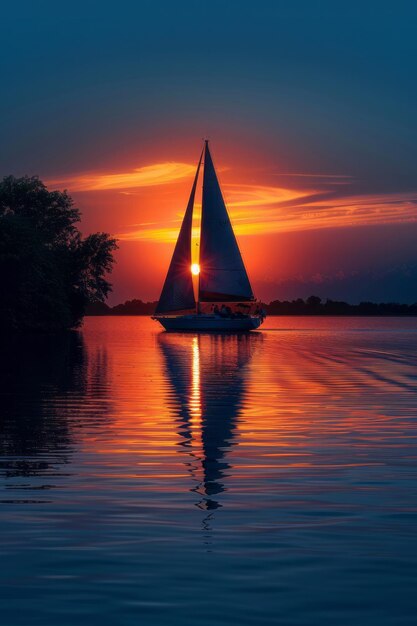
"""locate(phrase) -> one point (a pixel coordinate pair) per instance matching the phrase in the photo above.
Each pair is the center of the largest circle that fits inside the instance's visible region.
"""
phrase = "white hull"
(206, 323)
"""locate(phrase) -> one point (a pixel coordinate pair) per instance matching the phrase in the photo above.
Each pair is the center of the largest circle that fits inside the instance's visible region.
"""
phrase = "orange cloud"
(260, 195)
(255, 209)
(331, 212)
(147, 176)
(259, 210)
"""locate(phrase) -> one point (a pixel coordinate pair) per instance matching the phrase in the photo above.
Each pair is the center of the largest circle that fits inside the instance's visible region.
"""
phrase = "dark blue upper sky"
(336, 75)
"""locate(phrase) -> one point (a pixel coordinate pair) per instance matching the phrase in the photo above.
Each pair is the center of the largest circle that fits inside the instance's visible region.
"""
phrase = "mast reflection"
(208, 373)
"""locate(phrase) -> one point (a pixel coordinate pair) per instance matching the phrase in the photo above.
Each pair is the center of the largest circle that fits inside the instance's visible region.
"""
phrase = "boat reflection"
(208, 374)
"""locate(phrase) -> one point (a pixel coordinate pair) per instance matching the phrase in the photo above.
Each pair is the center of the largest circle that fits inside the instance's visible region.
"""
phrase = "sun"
(195, 269)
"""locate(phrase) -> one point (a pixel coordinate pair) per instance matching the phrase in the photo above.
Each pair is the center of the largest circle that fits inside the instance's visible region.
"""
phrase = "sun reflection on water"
(195, 395)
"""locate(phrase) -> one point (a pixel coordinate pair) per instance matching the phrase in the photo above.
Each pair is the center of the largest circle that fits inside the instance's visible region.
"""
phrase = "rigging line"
(203, 163)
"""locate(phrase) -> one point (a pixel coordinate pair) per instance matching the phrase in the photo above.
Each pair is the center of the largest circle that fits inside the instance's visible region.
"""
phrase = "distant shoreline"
(312, 306)
(270, 315)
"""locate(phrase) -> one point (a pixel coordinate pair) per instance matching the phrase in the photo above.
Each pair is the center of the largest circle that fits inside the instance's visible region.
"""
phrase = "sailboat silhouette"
(208, 374)
(225, 300)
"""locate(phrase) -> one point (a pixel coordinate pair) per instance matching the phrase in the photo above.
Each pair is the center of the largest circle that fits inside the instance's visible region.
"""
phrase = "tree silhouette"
(313, 302)
(48, 272)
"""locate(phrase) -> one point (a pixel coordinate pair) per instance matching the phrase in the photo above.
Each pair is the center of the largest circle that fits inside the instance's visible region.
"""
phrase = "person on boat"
(216, 310)
(260, 312)
(223, 311)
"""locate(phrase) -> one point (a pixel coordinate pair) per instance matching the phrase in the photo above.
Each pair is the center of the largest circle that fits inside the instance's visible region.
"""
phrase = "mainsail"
(223, 275)
(178, 292)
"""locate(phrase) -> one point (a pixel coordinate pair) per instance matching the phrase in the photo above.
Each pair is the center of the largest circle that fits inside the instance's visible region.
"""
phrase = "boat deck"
(209, 323)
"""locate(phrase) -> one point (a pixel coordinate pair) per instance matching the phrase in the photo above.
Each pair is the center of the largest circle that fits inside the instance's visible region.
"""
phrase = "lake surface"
(159, 479)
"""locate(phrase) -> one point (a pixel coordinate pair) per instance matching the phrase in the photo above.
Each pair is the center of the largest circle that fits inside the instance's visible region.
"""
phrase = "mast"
(205, 148)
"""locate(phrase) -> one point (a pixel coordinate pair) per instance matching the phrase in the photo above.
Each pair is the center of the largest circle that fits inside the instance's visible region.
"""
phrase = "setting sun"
(195, 269)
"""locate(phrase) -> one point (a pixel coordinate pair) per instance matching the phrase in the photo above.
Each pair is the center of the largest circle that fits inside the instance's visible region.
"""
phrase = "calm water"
(155, 479)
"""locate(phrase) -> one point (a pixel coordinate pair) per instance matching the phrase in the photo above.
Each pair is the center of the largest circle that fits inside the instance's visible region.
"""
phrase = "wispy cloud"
(147, 176)
(251, 196)
(330, 212)
(304, 175)
(258, 210)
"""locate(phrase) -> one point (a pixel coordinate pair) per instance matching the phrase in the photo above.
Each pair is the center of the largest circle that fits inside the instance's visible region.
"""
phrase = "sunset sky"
(310, 108)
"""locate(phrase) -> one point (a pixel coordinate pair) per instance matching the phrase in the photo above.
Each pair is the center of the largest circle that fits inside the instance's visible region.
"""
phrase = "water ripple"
(220, 479)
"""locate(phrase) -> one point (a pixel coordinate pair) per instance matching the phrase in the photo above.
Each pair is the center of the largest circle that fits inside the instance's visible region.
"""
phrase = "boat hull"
(208, 323)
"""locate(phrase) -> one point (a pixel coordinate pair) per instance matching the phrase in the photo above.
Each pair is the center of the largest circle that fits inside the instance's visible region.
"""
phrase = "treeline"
(312, 306)
(316, 306)
(130, 307)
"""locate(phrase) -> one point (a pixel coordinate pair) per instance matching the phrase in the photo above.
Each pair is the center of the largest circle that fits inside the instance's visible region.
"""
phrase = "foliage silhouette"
(48, 272)
(130, 307)
(315, 306)
(312, 306)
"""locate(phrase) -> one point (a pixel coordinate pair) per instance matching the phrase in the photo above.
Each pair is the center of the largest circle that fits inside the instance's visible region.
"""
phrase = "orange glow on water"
(277, 395)
(195, 396)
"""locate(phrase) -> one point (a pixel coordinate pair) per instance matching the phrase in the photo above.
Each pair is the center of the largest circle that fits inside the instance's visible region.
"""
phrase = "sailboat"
(224, 298)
